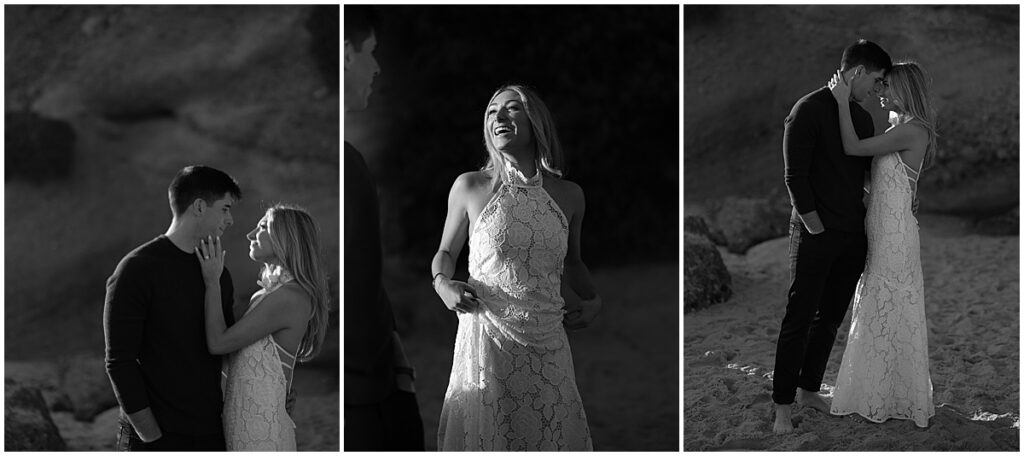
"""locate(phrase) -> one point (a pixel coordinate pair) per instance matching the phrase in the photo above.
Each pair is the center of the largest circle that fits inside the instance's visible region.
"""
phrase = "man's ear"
(198, 207)
(349, 50)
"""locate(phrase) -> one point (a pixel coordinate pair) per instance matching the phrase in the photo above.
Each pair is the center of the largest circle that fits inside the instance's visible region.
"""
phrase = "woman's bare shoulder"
(567, 187)
(915, 129)
(288, 298)
(566, 192)
(471, 182)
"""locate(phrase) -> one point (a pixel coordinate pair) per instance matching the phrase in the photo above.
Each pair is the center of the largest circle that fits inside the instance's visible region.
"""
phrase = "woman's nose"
(249, 235)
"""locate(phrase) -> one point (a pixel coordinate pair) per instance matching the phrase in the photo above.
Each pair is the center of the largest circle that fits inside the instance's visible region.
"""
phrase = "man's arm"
(124, 318)
(367, 325)
(802, 129)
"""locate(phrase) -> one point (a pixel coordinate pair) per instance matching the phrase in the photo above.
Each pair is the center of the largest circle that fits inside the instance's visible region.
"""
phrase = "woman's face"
(885, 97)
(507, 123)
(260, 249)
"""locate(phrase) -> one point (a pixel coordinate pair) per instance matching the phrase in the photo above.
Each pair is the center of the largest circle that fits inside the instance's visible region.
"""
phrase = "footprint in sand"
(730, 385)
(744, 444)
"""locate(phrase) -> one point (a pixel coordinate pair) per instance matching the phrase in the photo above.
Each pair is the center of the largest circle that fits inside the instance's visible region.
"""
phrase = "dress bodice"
(516, 252)
(512, 386)
(257, 379)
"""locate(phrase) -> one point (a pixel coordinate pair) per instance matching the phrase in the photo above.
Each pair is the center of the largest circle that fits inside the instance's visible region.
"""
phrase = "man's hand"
(405, 379)
(405, 375)
(289, 401)
(145, 425)
(580, 317)
(812, 222)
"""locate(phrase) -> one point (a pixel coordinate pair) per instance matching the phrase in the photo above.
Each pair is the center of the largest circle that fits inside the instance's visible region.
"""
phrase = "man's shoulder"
(356, 169)
(140, 260)
(818, 99)
(352, 155)
(147, 252)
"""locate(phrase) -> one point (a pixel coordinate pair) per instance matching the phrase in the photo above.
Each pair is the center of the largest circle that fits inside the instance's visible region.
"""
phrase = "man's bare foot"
(811, 399)
(783, 419)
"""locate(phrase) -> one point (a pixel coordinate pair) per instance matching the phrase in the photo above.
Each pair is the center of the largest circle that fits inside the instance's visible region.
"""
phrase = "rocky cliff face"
(105, 104)
(744, 66)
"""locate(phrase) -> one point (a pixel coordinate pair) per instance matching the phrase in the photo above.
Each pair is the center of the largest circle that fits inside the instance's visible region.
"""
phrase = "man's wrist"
(145, 425)
(406, 370)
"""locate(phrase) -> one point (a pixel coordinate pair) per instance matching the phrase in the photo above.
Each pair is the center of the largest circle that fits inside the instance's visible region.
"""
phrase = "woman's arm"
(576, 274)
(456, 230)
(900, 137)
(274, 313)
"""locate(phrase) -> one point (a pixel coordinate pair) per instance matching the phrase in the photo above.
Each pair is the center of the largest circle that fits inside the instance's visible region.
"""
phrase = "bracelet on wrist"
(433, 282)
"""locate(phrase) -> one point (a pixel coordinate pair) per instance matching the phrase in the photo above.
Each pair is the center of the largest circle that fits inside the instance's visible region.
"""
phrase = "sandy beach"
(316, 415)
(972, 305)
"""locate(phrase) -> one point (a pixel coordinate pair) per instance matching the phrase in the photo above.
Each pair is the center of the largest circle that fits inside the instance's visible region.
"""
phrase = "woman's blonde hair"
(295, 238)
(547, 147)
(910, 94)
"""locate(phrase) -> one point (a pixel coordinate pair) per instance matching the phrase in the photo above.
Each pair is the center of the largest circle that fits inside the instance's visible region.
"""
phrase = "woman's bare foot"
(783, 419)
(811, 399)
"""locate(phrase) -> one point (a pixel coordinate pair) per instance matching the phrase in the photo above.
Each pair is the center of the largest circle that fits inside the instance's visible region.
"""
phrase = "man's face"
(867, 84)
(216, 218)
(360, 69)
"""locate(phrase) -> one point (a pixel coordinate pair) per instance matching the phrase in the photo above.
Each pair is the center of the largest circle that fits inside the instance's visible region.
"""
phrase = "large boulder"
(106, 103)
(739, 223)
(27, 422)
(706, 281)
(84, 380)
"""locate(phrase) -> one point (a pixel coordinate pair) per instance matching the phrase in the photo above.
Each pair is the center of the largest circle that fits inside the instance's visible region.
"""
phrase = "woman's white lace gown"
(255, 390)
(512, 385)
(884, 373)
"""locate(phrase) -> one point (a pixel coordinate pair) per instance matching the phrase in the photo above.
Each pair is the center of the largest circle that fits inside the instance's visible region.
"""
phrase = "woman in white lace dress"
(285, 321)
(512, 385)
(884, 372)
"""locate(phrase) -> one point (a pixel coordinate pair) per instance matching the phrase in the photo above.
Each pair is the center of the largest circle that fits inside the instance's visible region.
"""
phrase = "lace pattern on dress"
(884, 371)
(256, 389)
(512, 385)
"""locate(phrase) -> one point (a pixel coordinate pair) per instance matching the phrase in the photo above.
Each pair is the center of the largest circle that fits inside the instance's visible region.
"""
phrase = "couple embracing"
(169, 317)
(854, 236)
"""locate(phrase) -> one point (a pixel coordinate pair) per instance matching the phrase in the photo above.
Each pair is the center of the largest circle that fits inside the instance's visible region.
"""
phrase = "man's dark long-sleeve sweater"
(369, 321)
(819, 176)
(154, 326)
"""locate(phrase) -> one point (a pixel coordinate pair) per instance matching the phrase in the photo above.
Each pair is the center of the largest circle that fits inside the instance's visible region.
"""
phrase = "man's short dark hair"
(864, 52)
(361, 21)
(198, 181)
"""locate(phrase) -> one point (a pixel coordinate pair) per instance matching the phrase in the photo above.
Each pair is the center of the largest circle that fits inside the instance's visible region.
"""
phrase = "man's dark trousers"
(824, 269)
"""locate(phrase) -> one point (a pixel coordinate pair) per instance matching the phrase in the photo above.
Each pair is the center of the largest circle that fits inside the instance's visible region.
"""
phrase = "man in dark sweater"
(828, 247)
(381, 412)
(164, 377)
